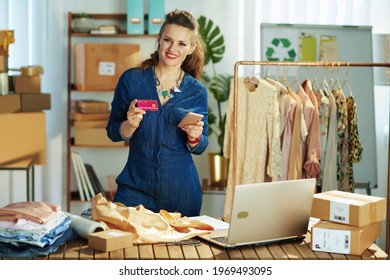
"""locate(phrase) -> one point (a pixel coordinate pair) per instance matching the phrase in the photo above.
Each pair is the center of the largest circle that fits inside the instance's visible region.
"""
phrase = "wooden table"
(300, 250)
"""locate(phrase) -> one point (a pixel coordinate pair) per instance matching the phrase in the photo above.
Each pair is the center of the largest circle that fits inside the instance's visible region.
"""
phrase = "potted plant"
(218, 84)
(83, 22)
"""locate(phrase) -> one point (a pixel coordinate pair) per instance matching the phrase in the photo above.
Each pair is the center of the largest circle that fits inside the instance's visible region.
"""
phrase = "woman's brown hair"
(194, 62)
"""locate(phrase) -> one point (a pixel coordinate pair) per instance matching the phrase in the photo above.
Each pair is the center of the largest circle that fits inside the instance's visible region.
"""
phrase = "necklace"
(164, 93)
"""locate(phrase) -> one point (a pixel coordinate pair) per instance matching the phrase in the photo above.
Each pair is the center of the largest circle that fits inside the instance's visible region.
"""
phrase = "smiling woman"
(160, 172)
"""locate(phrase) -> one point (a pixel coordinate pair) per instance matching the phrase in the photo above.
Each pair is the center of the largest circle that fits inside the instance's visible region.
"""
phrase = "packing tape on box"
(6, 38)
(34, 70)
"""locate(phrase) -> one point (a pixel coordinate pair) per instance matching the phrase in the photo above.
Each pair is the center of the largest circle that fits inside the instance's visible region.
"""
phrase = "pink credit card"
(147, 105)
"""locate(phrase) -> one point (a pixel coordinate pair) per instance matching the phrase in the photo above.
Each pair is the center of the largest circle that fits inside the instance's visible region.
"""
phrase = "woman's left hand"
(193, 130)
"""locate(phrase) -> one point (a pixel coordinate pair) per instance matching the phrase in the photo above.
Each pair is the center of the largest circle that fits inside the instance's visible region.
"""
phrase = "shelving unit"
(74, 94)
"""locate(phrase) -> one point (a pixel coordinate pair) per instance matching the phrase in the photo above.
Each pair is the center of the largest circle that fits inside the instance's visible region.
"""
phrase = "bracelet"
(195, 141)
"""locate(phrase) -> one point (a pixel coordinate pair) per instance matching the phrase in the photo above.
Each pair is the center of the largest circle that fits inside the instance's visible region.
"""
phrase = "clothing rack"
(304, 64)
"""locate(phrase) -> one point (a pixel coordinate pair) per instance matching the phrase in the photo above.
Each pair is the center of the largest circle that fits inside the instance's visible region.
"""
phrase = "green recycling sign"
(281, 49)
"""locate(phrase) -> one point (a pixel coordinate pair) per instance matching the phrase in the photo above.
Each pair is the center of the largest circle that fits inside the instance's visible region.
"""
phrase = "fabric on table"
(145, 225)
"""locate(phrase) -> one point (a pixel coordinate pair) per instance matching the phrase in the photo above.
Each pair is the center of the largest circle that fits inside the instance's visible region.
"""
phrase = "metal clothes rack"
(304, 64)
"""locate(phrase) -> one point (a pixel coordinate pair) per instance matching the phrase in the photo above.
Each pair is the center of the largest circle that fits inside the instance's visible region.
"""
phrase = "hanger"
(332, 84)
(284, 77)
(337, 77)
(277, 73)
(251, 81)
(296, 81)
(315, 82)
(346, 82)
(324, 83)
(267, 75)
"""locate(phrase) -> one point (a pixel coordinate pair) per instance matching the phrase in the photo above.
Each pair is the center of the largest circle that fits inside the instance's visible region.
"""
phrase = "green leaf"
(213, 39)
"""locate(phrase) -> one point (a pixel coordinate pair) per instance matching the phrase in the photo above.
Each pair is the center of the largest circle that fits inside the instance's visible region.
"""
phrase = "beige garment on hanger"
(329, 181)
(287, 111)
(258, 135)
(295, 157)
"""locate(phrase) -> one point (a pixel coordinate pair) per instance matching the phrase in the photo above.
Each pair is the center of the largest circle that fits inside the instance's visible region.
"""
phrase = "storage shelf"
(121, 34)
(74, 94)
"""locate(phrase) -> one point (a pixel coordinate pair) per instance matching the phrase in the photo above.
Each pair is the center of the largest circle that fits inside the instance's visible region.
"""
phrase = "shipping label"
(333, 241)
(339, 212)
(106, 68)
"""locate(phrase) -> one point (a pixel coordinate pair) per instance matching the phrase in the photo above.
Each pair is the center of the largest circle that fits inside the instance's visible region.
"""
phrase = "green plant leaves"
(214, 41)
(220, 87)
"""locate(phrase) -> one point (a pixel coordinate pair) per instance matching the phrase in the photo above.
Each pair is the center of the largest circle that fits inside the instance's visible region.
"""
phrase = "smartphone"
(190, 118)
(147, 105)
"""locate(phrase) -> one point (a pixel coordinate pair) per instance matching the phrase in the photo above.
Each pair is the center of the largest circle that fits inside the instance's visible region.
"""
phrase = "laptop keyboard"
(222, 239)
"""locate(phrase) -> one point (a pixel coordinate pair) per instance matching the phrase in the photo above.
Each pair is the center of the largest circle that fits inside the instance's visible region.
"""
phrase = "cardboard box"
(94, 137)
(90, 124)
(3, 63)
(27, 84)
(99, 66)
(135, 17)
(23, 139)
(14, 103)
(92, 106)
(110, 240)
(89, 116)
(348, 208)
(343, 239)
(156, 12)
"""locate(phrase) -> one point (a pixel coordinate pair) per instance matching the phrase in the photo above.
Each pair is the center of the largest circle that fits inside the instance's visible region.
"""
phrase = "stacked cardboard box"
(349, 222)
(22, 122)
(90, 119)
(98, 66)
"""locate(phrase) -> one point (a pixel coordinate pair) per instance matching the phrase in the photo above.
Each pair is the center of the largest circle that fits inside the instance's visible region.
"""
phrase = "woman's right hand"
(134, 115)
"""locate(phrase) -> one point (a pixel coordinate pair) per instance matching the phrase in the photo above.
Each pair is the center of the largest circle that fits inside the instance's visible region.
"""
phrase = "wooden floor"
(79, 250)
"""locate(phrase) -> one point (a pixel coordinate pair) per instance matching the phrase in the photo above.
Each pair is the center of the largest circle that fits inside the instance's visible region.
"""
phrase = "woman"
(160, 172)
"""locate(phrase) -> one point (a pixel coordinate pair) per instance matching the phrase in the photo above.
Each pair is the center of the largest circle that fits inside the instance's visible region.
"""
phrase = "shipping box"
(27, 84)
(348, 208)
(110, 240)
(90, 124)
(23, 139)
(343, 239)
(94, 137)
(92, 106)
(99, 66)
(14, 103)
(3, 63)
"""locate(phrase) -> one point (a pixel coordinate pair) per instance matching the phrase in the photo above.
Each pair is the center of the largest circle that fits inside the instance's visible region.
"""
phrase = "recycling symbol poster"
(281, 44)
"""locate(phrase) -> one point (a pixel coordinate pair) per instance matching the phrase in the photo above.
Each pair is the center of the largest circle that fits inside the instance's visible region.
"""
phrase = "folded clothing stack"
(31, 229)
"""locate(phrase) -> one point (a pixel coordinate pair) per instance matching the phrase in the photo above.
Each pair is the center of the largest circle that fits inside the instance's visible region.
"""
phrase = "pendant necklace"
(164, 93)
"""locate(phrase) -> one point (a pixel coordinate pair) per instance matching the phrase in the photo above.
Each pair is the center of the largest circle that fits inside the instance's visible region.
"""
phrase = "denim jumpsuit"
(159, 172)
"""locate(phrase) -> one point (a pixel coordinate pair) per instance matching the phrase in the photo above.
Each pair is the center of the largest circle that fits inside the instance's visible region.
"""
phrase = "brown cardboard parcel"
(27, 84)
(343, 239)
(16, 149)
(110, 240)
(98, 66)
(94, 137)
(13, 103)
(348, 208)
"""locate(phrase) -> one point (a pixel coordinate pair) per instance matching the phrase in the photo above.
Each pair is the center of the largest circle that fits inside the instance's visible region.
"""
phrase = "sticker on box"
(339, 212)
(333, 241)
(107, 68)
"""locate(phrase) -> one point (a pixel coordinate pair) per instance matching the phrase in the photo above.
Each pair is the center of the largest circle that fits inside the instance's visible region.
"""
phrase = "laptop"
(264, 213)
